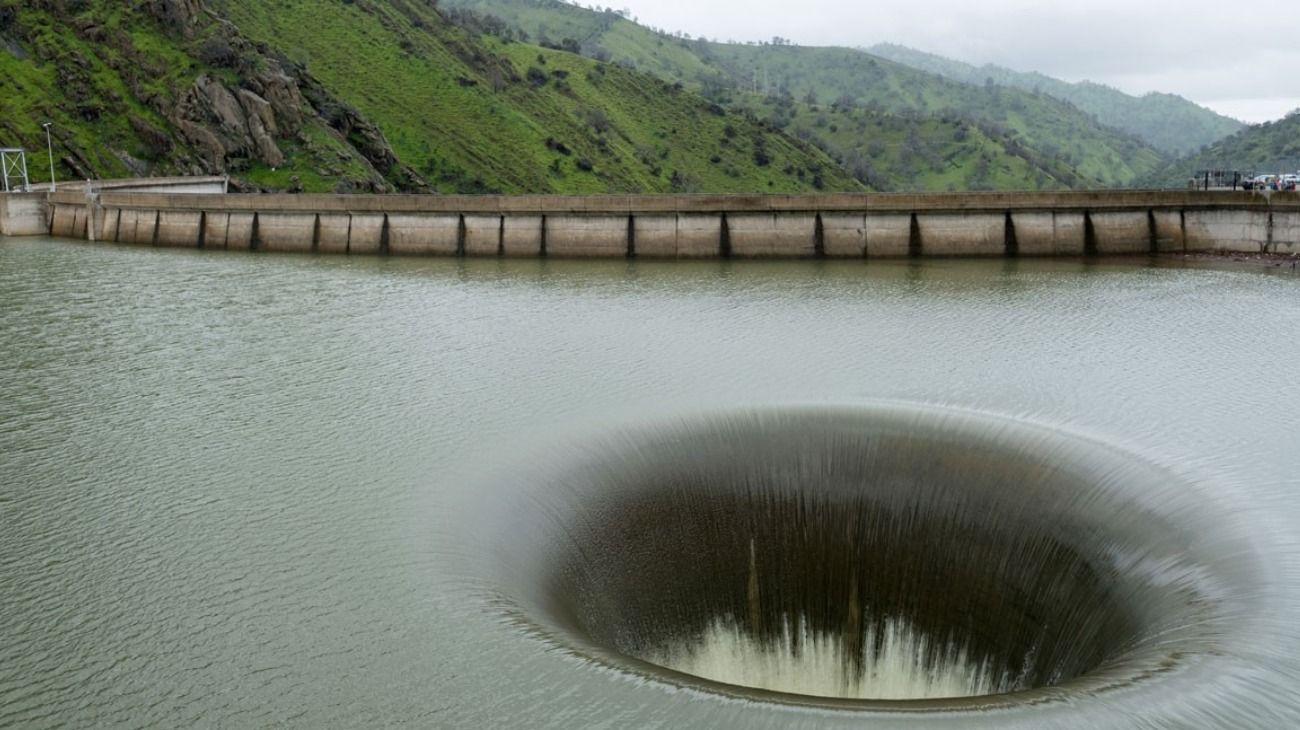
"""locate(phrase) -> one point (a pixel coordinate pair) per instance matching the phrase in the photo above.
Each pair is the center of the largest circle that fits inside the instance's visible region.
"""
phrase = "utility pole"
(50, 146)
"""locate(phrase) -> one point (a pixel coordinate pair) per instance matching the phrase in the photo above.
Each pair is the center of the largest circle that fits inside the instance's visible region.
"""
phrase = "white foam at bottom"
(815, 664)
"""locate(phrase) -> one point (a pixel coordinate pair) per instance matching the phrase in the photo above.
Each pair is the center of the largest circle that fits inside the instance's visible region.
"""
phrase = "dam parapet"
(836, 226)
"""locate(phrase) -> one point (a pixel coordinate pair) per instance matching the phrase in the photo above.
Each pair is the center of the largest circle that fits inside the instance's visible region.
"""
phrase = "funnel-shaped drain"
(884, 554)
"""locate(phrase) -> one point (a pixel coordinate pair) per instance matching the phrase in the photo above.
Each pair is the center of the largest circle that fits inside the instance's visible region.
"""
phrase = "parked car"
(1288, 182)
(1264, 182)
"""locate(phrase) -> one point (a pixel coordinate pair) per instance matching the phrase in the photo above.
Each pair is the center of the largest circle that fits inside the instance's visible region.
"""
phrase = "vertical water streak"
(753, 598)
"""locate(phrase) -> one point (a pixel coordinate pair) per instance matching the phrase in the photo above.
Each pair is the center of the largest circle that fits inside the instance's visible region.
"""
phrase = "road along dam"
(838, 226)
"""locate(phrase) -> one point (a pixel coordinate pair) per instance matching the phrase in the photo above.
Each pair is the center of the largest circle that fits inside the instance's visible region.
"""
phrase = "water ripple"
(221, 474)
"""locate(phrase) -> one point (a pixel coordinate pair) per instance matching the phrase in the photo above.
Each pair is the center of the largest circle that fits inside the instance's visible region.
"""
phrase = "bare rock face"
(205, 143)
(182, 16)
(262, 127)
(219, 104)
(258, 110)
(281, 92)
(224, 125)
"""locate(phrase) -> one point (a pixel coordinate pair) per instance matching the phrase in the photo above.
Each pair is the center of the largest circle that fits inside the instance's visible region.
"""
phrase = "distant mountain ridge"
(1167, 122)
(892, 126)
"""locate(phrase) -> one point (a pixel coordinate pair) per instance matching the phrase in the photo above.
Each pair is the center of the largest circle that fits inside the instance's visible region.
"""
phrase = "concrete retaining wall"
(23, 214)
(844, 235)
(679, 227)
(1049, 233)
(179, 185)
(1127, 232)
(588, 236)
(889, 235)
(960, 234)
(772, 235)
(1227, 230)
(484, 235)
(1286, 232)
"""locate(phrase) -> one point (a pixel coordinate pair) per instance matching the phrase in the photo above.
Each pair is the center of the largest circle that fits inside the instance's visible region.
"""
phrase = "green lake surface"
(231, 483)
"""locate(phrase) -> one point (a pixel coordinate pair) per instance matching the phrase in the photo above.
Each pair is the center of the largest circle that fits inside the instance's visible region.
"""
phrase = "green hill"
(889, 152)
(163, 89)
(1048, 129)
(1167, 122)
(1272, 148)
(1032, 140)
(367, 94)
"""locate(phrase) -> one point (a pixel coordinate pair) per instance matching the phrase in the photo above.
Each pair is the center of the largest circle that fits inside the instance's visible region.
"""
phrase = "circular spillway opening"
(885, 554)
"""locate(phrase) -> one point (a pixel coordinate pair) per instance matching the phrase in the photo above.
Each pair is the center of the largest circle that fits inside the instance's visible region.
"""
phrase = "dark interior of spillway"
(1016, 599)
(1028, 555)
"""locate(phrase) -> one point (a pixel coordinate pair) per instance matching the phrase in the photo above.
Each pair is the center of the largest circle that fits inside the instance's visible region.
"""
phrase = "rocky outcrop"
(247, 107)
(360, 132)
(262, 127)
(182, 16)
(280, 90)
(227, 125)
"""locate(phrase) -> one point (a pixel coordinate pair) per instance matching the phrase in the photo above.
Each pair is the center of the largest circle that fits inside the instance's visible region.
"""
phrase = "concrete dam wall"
(23, 214)
(840, 226)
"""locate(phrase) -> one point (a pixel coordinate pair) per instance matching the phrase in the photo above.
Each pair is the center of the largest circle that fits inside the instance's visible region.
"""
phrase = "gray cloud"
(1240, 58)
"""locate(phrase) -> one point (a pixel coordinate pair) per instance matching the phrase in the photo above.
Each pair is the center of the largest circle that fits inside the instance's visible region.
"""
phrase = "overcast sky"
(1239, 58)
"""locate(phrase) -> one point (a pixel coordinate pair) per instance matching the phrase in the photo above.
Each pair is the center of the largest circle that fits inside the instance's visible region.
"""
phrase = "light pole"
(50, 146)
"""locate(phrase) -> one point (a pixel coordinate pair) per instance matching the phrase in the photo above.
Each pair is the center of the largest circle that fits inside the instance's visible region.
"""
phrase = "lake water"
(232, 486)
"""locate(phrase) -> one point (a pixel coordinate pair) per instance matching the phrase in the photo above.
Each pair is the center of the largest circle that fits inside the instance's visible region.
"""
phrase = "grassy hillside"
(1272, 148)
(52, 68)
(111, 80)
(1052, 129)
(890, 152)
(1055, 143)
(320, 95)
(1167, 122)
(604, 34)
(475, 115)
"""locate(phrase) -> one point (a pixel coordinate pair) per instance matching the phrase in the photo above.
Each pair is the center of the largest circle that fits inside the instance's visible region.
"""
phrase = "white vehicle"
(1264, 182)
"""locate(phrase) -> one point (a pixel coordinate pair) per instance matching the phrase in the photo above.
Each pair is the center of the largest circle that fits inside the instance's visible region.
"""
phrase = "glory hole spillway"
(322, 491)
(881, 554)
